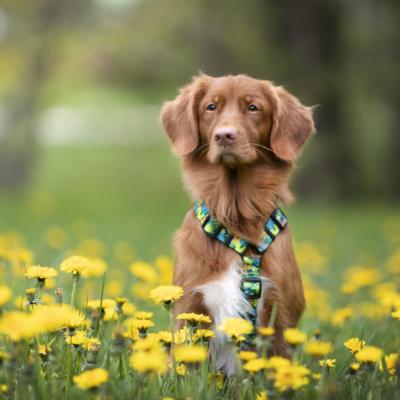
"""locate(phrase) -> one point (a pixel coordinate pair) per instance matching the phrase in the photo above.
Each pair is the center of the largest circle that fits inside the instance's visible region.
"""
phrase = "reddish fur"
(243, 195)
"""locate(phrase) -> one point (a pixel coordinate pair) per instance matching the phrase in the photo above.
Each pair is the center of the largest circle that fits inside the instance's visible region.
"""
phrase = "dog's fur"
(242, 182)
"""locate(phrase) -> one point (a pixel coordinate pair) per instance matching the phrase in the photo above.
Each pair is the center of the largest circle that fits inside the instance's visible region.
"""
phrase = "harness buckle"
(251, 287)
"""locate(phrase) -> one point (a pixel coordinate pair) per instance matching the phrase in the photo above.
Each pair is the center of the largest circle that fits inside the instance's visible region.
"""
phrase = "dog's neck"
(241, 198)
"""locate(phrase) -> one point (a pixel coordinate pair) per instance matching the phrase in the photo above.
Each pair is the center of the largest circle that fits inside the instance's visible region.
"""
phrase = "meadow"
(93, 327)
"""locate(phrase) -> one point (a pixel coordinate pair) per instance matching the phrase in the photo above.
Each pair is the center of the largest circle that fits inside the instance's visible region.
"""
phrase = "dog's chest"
(223, 297)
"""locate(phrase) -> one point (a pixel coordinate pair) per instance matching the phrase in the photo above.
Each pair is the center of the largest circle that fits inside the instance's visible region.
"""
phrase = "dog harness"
(251, 282)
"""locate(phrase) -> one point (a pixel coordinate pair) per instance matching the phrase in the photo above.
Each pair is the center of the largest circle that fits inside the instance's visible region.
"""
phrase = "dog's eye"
(211, 107)
(253, 108)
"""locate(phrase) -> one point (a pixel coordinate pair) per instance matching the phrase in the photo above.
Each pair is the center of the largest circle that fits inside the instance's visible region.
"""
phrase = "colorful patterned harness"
(251, 281)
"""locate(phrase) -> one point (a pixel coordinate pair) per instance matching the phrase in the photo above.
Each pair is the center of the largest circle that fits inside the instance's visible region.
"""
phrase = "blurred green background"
(82, 82)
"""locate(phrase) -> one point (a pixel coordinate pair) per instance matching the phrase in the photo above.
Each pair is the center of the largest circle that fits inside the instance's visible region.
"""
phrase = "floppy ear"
(292, 125)
(179, 117)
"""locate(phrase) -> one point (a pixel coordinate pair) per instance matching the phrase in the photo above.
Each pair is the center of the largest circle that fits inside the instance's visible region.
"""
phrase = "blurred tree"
(35, 26)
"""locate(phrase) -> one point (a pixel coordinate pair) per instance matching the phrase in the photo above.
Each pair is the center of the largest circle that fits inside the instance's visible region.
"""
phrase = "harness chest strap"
(250, 283)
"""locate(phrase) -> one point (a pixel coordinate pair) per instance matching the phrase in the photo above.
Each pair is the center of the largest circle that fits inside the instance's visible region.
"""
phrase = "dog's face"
(236, 120)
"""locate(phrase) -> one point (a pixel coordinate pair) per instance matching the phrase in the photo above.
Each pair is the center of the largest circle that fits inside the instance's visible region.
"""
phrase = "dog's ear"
(179, 117)
(292, 124)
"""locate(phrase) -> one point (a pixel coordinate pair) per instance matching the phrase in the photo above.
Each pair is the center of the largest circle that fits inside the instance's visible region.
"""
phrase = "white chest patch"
(225, 299)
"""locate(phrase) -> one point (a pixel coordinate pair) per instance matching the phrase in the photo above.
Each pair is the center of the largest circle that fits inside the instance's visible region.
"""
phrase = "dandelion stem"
(73, 292)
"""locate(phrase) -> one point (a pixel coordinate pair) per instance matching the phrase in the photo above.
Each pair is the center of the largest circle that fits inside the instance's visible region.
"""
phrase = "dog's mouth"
(229, 159)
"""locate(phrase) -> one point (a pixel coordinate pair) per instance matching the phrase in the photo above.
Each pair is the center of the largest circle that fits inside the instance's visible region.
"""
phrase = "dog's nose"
(225, 135)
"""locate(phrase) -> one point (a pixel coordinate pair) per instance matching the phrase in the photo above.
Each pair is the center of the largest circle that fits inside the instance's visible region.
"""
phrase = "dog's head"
(236, 120)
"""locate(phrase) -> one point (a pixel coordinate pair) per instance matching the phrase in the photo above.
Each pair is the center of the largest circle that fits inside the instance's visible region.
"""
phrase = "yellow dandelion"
(316, 376)
(5, 294)
(143, 315)
(77, 339)
(294, 336)
(203, 334)
(96, 268)
(190, 354)
(44, 350)
(369, 354)
(194, 318)
(277, 362)
(247, 355)
(153, 361)
(354, 367)
(396, 314)
(91, 379)
(166, 294)
(255, 365)
(236, 328)
(328, 362)
(147, 343)
(266, 331)
(291, 377)
(262, 395)
(144, 271)
(91, 344)
(354, 344)
(75, 265)
(181, 369)
(392, 363)
(340, 316)
(316, 348)
(142, 324)
(41, 273)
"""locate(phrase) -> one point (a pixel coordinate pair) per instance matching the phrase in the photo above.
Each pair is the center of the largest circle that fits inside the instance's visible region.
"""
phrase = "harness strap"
(250, 284)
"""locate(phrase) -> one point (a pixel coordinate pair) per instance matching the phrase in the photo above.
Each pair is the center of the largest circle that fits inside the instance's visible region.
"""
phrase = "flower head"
(328, 362)
(291, 376)
(152, 361)
(5, 294)
(194, 318)
(369, 354)
(317, 349)
(91, 379)
(236, 328)
(41, 273)
(354, 344)
(294, 336)
(266, 330)
(190, 354)
(166, 294)
(75, 265)
(255, 365)
(392, 363)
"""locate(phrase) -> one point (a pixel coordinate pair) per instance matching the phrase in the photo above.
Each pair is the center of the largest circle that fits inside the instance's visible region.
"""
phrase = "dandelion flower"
(41, 273)
(266, 331)
(317, 349)
(166, 294)
(5, 294)
(236, 328)
(91, 379)
(396, 314)
(75, 265)
(144, 271)
(247, 355)
(341, 315)
(77, 339)
(147, 343)
(391, 361)
(291, 377)
(95, 269)
(194, 318)
(143, 315)
(294, 336)
(369, 354)
(153, 361)
(354, 367)
(277, 362)
(190, 354)
(181, 369)
(354, 344)
(328, 362)
(255, 365)
(203, 334)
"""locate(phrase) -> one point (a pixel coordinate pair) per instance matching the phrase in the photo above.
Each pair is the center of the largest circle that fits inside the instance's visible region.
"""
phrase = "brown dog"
(238, 138)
